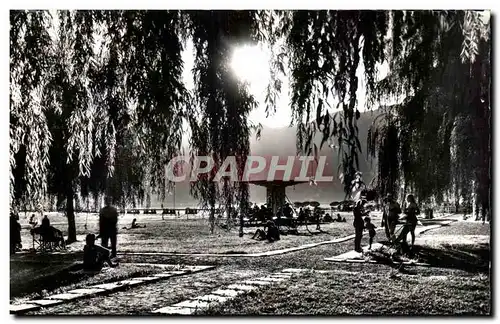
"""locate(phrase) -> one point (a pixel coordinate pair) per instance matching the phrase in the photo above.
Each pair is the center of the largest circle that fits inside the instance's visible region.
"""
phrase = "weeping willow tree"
(219, 120)
(99, 78)
(29, 134)
(326, 48)
(441, 66)
(432, 56)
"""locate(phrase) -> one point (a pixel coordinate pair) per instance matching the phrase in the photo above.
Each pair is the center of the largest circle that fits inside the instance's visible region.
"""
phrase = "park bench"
(168, 212)
(191, 211)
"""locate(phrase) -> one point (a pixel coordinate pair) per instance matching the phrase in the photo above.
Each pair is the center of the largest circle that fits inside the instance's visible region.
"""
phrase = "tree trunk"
(70, 214)
(211, 219)
(457, 200)
(242, 223)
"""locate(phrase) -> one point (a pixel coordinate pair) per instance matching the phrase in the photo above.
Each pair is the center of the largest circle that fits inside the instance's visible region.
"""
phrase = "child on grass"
(371, 230)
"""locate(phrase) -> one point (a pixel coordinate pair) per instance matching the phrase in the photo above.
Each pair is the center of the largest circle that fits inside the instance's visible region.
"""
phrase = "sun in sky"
(250, 64)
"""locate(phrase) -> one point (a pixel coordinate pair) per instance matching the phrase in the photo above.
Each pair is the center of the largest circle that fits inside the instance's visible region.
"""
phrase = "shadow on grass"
(27, 278)
(308, 233)
(471, 258)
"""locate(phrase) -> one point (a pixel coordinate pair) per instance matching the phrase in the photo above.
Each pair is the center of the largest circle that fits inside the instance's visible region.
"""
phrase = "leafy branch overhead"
(98, 101)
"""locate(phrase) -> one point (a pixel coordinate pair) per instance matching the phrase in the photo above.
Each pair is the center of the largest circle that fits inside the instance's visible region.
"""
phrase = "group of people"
(94, 255)
(264, 213)
(261, 214)
(390, 218)
(48, 233)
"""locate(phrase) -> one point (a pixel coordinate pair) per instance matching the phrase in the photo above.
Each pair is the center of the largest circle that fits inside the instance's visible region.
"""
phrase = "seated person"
(135, 225)
(45, 221)
(33, 221)
(49, 234)
(340, 219)
(45, 226)
(272, 234)
(94, 256)
(255, 210)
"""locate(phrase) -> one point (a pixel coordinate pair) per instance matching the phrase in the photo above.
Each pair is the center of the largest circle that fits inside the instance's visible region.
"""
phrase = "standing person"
(288, 213)
(302, 216)
(391, 216)
(108, 219)
(358, 224)
(15, 233)
(317, 217)
(411, 218)
(371, 229)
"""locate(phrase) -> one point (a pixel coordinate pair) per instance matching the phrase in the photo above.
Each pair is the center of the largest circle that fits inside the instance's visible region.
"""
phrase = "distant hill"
(282, 142)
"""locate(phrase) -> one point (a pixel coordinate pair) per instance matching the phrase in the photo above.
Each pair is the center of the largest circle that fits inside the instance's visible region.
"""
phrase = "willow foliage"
(106, 92)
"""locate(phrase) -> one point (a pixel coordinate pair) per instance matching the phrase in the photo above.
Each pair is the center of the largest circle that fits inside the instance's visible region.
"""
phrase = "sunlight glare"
(250, 64)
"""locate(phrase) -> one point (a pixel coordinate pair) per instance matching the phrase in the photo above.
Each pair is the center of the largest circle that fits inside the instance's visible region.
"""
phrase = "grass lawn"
(194, 236)
(457, 283)
(181, 235)
(366, 293)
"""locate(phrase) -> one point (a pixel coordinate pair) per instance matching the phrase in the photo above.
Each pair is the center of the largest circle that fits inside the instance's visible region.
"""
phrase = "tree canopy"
(98, 103)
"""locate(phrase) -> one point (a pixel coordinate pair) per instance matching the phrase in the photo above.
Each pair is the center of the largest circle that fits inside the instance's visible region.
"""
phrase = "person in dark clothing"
(288, 212)
(135, 225)
(371, 230)
(262, 214)
(340, 219)
(94, 256)
(390, 217)
(358, 224)
(45, 222)
(411, 219)
(302, 216)
(108, 219)
(317, 217)
(272, 234)
(15, 233)
(33, 221)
